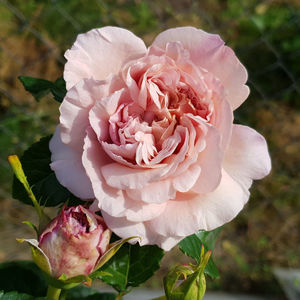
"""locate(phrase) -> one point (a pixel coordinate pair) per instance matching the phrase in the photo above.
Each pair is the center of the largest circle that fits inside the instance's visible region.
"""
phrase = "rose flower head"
(149, 132)
(74, 242)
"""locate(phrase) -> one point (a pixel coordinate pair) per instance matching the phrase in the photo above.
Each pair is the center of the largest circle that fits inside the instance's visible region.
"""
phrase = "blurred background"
(265, 35)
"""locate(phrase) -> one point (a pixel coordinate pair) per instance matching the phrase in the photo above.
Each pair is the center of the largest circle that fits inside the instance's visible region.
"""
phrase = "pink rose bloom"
(149, 132)
(74, 242)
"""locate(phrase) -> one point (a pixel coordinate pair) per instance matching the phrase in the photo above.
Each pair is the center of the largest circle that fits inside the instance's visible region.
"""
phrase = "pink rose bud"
(74, 241)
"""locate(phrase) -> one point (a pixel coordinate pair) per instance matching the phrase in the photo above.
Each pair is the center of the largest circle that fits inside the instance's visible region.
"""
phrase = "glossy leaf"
(82, 292)
(191, 246)
(58, 89)
(41, 87)
(131, 266)
(45, 186)
(20, 296)
(23, 277)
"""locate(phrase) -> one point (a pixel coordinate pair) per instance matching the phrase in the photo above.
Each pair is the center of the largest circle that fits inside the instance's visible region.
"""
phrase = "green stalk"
(53, 293)
(63, 295)
(18, 170)
(119, 297)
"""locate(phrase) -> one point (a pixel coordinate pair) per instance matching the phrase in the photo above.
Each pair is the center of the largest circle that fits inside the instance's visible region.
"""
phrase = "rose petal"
(68, 168)
(189, 213)
(208, 51)
(93, 158)
(210, 160)
(74, 110)
(187, 180)
(137, 211)
(124, 228)
(123, 177)
(247, 156)
(99, 114)
(99, 53)
(154, 192)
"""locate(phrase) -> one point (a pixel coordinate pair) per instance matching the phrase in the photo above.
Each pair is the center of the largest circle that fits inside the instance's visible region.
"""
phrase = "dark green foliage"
(191, 246)
(41, 87)
(19, 296)
(132, 265)
(46, 188)
(23, 277)
(82, 292)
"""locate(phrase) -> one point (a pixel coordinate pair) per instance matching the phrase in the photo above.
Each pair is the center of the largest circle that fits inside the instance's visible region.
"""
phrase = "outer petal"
(124, 228)
(247, 156)
(74, 110)
(68, 168)
(101, 52)
(189, 213)
(208, 51)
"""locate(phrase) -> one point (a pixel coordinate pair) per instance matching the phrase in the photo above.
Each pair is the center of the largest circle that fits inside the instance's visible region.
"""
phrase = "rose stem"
(53, 293)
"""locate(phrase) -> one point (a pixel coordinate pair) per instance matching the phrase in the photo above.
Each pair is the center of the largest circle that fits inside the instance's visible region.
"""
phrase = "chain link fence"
(265, 35)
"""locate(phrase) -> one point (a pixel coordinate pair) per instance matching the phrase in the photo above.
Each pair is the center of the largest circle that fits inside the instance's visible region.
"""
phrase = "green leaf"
(20, 296)
(82, 292)
(23, 277)
(131, 266)
(118, 267)
(58, 89)
(101, 296)
(191, 246)
(45, 186)
(41, 87)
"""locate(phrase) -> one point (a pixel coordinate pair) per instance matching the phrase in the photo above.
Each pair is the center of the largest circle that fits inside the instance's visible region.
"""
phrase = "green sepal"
(99, 273)
(31, 225)
(38, 255)
(69, 283)
(113, 248)
(193, 284)
(42, 261)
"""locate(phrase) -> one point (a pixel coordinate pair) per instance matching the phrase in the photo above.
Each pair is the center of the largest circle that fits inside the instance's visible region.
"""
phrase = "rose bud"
(74, 242)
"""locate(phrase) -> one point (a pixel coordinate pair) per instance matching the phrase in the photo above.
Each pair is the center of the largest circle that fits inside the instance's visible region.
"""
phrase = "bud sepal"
(187, 282)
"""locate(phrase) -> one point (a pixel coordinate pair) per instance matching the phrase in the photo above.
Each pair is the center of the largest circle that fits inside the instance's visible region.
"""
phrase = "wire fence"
(265, 35)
